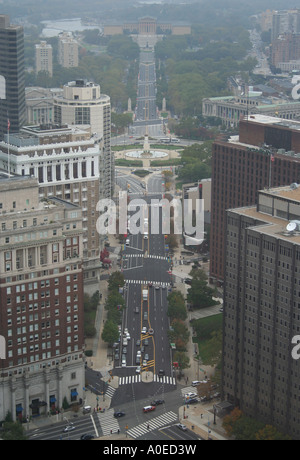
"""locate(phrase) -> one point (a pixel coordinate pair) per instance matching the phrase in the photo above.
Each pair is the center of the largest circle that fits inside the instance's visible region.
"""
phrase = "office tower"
(82, 103)
(68, 55)
(43, 58)
(41, 300)
(261, 309)
(12, 68)
(69, 165)
(264, 154)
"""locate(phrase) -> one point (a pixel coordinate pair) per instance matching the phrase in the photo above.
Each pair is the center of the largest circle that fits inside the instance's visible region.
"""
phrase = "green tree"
(12, 431)
(110, 333)
(176, 306)
(200, 294)
(116, 281)
(182, 359)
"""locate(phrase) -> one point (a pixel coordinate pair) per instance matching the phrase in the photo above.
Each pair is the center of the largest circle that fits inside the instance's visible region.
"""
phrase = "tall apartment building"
(68, 55)
(69, 165)
(44, 58)
(41, 300)
(286, 21)
(285, 48)
(261, 309)
(82, 104)
(242, 165)
(12, 68)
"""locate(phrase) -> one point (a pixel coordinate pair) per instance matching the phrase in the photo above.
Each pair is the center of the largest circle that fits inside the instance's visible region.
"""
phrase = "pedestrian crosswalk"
(108, 423)
(155, 283)
(153, 424)
(110, 391)
(164, 379)
(130, 379)
(131, 256)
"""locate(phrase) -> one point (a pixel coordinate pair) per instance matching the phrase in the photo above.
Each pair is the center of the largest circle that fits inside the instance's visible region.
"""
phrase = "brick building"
(261, 309)
(41, 300)
(264, 154)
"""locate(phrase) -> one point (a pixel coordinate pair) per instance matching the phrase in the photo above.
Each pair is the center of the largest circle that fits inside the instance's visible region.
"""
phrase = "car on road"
(157, 287)
(144, 363)
(144, 330)
(138, 370)
(157, 402)
(195, 383)
(87, 437)
(119, 414)
(138, 343)
(148, 408)
(146, 357)
(161, 373)
(123, 362)
(125, 350)
(69, 428)
(181, 427)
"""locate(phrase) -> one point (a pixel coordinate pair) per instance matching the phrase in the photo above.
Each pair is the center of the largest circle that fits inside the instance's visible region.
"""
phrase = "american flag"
(8, 125)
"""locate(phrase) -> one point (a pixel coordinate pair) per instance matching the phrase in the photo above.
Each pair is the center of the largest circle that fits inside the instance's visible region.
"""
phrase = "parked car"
(195, 383)
(181, 427)
(146, 357)
(190, 395)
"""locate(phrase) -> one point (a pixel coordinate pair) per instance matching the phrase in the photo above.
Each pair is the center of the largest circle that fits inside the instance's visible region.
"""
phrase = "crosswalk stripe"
(108, 422)
(151, 256)
(155, 283)
(153, 424)
(110, 391)
(168, 380)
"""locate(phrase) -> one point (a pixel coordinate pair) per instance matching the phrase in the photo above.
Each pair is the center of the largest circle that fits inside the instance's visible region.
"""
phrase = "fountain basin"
(142, 154)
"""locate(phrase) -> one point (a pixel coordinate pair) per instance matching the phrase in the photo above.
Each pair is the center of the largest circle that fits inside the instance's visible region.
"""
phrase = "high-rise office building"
(262, 309)
(264, 154)
(69, 165)
(41, 300)
(12, 68)
(83, 104)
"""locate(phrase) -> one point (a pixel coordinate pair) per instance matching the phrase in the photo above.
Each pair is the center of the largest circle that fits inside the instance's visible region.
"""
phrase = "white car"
(138, 369)
(190, 395)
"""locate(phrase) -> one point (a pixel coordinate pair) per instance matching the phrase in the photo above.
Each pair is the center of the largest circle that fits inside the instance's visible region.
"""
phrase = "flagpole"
(8, 152)
(270, 168)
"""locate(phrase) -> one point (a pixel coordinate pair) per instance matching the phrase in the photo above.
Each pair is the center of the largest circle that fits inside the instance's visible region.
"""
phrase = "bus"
(165, 140)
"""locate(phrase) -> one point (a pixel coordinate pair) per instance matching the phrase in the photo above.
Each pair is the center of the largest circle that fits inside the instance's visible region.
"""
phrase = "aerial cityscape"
(149, 222)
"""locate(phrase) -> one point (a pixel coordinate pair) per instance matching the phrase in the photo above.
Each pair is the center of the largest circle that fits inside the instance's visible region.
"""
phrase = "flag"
(272, 157)
(8, 125)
